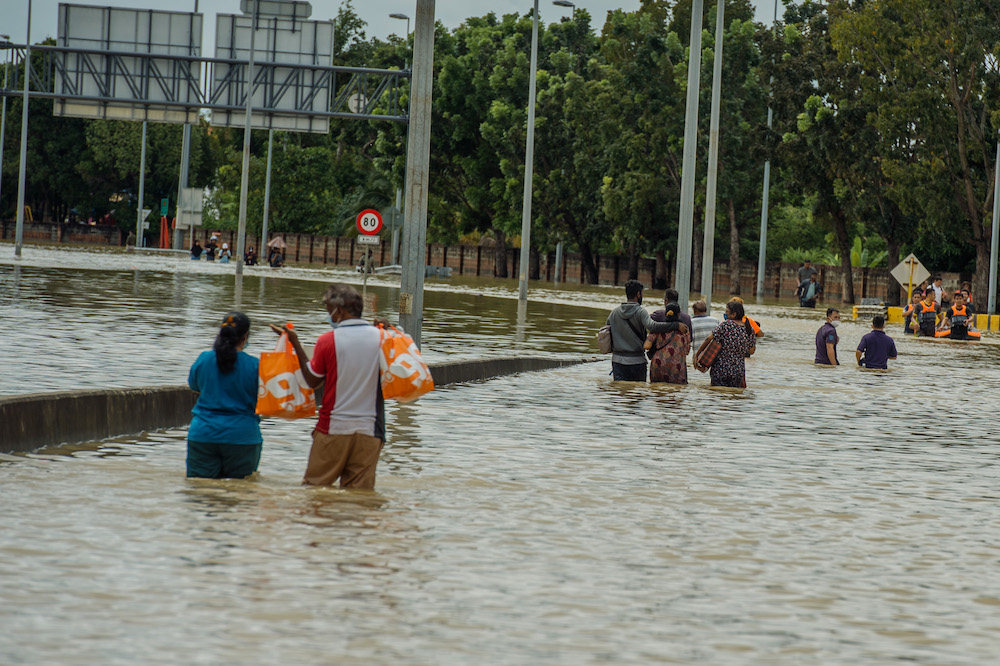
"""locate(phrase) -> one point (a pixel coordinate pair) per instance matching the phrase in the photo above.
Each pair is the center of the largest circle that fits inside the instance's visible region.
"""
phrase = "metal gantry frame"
(172, 77)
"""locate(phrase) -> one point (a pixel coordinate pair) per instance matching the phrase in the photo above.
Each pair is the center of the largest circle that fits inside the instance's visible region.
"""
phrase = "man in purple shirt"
(876, 348)
(827, 339)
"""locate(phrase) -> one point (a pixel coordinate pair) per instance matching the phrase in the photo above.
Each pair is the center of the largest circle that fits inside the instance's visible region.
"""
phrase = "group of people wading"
(931, 313)
(667, 336)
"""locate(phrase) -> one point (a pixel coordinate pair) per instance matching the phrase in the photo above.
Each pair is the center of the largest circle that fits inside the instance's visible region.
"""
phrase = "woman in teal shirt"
(224, 440)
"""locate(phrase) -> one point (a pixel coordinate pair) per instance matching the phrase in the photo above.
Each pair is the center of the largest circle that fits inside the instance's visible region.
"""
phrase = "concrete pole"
(529, 163)
(182, 183)
(142, 188)
(991, 308)
(394, 258)
(21, 172)
(765, 196)
(708, 255)
(245, 175)
(267, 193)
(685, 229)
(3, 117)
(559, 256)
(418, 150)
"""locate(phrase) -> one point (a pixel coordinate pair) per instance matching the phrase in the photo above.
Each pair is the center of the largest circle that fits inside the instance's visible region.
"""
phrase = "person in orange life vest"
(957, 318)
(909, 309)
(753, 328)
(926, 315)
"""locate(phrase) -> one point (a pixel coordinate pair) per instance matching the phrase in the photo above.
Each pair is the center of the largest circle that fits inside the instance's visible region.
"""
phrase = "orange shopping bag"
(405, 376)
(282, 390)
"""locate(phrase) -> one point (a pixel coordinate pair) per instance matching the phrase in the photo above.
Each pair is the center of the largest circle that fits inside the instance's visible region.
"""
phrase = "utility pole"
(765, 196)
(708, 255)
(685, 229)
(418, 151)
(529, 163)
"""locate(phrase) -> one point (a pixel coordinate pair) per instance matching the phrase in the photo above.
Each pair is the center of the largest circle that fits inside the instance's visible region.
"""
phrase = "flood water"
(822, 516)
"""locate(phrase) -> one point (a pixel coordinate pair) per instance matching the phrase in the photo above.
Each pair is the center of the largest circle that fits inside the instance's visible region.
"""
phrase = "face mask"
(835, 323)
(328, 319)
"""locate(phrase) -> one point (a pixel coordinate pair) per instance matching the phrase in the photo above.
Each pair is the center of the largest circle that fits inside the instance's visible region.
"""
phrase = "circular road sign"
(369, 222)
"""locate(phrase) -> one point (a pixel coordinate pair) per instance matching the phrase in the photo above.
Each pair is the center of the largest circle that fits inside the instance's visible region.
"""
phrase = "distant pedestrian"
(196, 251)
(702, 324)
(827, 339)
(210, 249)
(224, 440)
(939, 296)
(629, 323)
(876, 348)
(224, 254)
(806, 270)
(910, 310)
(250, 257)
(926, 315)
(808, 291)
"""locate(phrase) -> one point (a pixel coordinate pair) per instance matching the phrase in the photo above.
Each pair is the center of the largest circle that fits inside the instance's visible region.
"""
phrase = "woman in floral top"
(729, 368)
(668, 351)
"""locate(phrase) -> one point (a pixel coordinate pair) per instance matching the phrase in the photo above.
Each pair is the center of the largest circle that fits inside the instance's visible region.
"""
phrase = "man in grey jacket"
(629, 323)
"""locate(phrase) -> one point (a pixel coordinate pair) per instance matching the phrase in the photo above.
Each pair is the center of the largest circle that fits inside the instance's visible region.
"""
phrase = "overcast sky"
(44, 16)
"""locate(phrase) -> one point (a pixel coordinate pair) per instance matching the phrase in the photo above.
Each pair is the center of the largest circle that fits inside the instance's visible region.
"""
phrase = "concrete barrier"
(30, 422)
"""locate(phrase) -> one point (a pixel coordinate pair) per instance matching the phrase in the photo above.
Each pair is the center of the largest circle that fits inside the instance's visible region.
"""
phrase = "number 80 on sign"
(369, 222)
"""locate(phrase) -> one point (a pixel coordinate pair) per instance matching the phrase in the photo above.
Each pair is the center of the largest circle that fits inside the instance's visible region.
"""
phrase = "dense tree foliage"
(885, 126)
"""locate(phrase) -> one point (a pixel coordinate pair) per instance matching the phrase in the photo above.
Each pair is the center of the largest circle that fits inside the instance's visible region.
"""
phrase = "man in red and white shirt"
(350, 431)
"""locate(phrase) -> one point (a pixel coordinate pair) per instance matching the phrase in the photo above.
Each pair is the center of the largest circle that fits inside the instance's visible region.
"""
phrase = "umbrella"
(277, 242)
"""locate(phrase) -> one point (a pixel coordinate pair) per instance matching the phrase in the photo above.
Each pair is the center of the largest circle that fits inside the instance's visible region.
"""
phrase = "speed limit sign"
(369, 222)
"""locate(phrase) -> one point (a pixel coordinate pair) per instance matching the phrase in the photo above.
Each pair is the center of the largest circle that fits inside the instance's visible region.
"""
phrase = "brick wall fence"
(780, 279)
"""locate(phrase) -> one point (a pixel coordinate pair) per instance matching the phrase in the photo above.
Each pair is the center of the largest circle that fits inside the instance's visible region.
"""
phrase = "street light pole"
(708, 254)
(3, 117)
(21, 174)
(418, 151)
(685, 229)
(245, 175)
(394, 254)
(565, 3)
(529, 159)
(765, 195)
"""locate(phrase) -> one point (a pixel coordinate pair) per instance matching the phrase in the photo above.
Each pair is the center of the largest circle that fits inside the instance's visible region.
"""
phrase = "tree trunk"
(633, 261)
(500, 263)
(533, 264)
(660, 279)
(844, 246)
(981, 278)
(589, 265)
(895, 296)
(697, 247)
(734, 249)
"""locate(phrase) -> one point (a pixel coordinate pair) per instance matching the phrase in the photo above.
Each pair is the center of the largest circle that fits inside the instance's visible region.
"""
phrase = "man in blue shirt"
(827, 339)
(876, 348)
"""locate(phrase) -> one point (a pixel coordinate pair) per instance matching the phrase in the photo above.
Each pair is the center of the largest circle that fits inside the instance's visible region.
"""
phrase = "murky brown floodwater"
(823, 516)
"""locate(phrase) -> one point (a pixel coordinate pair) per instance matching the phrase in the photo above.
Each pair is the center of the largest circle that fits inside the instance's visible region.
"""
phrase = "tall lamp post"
(21, 174)
(765, 193)
(529, 163)
(399, 191)
(565, 3)
(3, 117)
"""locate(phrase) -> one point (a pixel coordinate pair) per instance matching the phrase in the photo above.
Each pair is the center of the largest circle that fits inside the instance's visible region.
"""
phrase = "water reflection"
(819, 516)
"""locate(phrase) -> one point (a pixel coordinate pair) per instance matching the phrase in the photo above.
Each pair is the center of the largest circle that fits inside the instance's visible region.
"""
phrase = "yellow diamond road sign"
(910, 272)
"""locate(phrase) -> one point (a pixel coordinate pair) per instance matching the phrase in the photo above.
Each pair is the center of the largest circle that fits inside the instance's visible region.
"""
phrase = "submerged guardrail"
(30, 422)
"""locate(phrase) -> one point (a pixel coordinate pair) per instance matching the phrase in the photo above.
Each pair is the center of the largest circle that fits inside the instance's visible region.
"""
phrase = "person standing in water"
(827, 339)
(224, 440)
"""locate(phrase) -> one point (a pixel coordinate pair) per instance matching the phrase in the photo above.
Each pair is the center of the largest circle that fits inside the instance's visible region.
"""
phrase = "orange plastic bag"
(405, 376)
(282, 390)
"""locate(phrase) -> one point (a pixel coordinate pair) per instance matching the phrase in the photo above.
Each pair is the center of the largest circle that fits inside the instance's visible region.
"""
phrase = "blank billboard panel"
(129, 87)
(279, 41)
